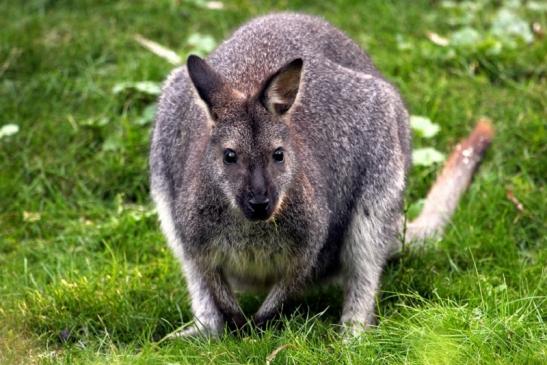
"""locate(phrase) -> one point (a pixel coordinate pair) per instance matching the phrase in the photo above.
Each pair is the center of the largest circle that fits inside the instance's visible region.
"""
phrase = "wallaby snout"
(261, 198)
(260, 208)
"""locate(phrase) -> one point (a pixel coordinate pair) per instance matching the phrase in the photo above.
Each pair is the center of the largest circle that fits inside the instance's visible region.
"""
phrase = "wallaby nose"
(259, 205)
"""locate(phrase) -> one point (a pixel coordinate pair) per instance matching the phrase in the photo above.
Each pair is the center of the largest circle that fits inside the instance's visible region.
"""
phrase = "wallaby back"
(261, 47)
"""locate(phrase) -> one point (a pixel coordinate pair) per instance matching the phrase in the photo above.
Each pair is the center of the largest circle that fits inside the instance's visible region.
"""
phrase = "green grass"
(85, 275)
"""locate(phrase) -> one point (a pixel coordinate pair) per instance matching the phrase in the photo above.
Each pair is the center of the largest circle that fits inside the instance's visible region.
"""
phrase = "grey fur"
(340, 191)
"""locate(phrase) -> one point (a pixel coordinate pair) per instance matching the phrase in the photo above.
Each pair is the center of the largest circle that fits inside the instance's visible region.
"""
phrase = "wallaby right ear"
(209, 84)
(280, 90)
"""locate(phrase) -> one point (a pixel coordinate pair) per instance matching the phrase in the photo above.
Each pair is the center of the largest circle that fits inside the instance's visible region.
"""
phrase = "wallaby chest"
(251, 255)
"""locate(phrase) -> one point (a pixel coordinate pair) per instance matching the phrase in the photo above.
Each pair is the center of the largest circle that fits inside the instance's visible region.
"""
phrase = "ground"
(85, 275)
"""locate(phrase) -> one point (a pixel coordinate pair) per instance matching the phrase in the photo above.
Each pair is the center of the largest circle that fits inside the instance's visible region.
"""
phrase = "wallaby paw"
(261, 322)
(196, 330)
(353, 329)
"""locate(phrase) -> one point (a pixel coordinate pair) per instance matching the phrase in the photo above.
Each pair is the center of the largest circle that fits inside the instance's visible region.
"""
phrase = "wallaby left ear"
(209, 84)
(279, 91)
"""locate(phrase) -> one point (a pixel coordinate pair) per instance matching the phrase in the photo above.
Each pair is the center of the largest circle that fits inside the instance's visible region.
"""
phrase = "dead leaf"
(437, 39)
(537, 29)
(8, 130)
(214, 5)
(31, 216)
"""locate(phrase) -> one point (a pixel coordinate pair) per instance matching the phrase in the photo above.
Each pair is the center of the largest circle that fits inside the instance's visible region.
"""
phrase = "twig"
(513, 199)
(159, 50)
(271, 357)
(13, 55)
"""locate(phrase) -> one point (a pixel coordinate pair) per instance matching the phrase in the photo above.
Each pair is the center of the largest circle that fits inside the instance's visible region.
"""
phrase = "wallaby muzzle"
(258, 208)
(260, 201)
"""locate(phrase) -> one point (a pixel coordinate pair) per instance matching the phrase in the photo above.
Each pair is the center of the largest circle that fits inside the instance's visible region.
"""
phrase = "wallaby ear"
(208, 82)
(279, 91)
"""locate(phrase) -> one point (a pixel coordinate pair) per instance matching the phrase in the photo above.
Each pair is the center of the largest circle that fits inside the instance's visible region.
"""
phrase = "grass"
(85, 275)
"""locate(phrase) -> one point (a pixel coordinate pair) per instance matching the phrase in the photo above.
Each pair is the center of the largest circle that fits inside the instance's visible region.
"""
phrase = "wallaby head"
(250, 153)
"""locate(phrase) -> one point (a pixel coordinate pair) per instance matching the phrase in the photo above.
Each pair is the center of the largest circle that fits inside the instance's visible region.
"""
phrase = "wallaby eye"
(278, 155)
(230, 156)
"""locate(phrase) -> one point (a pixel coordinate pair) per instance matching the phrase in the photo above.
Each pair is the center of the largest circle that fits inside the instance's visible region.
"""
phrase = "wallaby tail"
(443, 197)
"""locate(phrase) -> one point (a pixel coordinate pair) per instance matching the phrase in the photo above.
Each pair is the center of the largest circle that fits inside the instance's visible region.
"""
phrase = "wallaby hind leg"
(208, 318)
(212, 301)
(211, 298)
(363, 258)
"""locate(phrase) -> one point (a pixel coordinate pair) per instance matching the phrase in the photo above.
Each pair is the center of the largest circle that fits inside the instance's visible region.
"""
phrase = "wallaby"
(282, 161)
